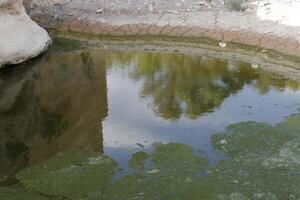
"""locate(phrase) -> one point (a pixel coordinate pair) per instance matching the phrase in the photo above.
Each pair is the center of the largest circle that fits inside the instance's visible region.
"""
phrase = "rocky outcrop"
(20, 37)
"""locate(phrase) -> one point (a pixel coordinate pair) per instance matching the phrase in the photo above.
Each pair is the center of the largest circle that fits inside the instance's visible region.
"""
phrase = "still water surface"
(120, 103)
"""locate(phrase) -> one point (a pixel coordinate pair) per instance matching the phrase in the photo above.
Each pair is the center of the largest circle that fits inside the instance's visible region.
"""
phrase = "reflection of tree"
(265, 82)
(181, 84)
(192, 86)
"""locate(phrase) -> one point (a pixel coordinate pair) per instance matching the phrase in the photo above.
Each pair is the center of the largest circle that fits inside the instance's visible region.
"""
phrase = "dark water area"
(119, 103)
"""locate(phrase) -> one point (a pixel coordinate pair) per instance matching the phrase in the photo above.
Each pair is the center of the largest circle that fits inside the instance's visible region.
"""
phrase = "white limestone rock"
(20, 37)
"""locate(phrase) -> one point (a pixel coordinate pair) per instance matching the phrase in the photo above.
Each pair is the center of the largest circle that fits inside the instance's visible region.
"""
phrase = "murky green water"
(92, 124)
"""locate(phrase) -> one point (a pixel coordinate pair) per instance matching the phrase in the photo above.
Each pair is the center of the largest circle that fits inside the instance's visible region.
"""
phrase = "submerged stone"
(72, 174)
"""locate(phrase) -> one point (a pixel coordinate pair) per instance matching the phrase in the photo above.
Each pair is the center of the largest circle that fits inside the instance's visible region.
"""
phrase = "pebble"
(151, 8)
(222, 44)
(223, 142)
(153, 171)
(254, 66)
(264, 50)
(99, 11)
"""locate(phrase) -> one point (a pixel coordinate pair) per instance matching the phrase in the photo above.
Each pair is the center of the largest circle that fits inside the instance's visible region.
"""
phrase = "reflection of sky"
(131, 120)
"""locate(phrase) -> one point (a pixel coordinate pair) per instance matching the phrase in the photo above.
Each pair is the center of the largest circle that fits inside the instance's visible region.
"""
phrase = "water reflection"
(71, 91)
(61, 100)
(192, 86)
(57, 104)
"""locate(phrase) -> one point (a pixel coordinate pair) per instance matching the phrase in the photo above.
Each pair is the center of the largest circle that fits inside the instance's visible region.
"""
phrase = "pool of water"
(119, 103)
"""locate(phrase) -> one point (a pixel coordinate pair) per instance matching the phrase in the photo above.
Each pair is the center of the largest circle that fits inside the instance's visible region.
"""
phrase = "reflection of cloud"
(214, 121)
(125, 103)
(282, 12)
(120, 135)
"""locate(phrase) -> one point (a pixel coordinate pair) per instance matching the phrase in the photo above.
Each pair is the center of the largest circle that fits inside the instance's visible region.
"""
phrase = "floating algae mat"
(88, 124)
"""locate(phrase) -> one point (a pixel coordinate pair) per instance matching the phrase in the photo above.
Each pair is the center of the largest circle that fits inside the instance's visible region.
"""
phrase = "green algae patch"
(251, 139)
(292, 122)
(170, 173)
(154, 186)
(177, 158)
(72, 174)
(19, 194)
(264, 161)
(263, 164)
(137, 160)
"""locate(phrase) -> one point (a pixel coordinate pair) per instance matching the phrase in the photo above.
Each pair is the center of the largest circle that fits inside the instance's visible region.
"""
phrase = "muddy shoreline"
(175, 26)
(242, 36)
(282, 66)
(262, 25)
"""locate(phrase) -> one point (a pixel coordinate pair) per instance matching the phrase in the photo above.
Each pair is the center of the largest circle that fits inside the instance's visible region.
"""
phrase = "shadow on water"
(59, 114)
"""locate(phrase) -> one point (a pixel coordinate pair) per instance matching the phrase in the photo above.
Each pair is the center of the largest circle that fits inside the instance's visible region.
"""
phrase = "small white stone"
(254, 66)
(223, 142)
(222, 44)
(153, 171)
(235, 181)
(151, 8)
(264, 50)
(99, 11)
